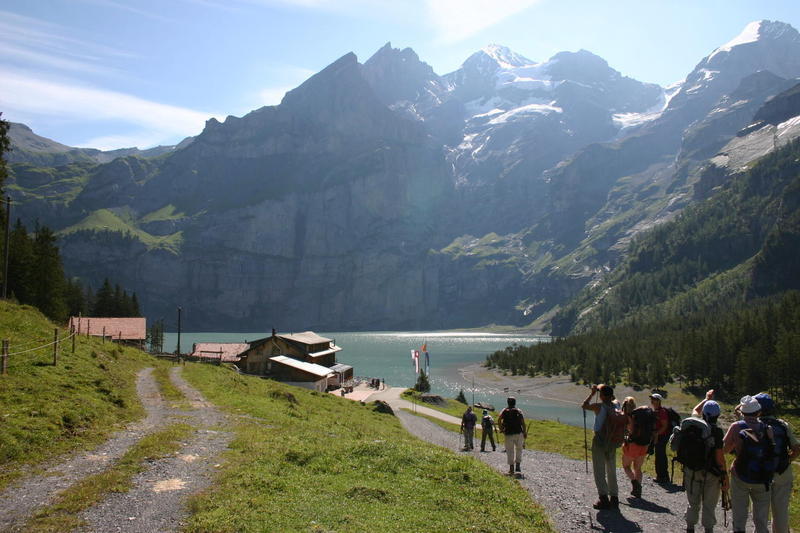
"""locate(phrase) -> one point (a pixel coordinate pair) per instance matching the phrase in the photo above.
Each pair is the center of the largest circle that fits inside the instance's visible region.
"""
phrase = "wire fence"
(19, 352)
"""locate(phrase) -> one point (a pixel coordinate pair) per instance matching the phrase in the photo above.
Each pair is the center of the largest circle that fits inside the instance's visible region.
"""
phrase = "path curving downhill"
(20, 499)
(157, 500)
(564, 488)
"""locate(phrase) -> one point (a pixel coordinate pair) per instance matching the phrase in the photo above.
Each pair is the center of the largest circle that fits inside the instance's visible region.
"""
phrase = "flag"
(427, 364)
(415, 358)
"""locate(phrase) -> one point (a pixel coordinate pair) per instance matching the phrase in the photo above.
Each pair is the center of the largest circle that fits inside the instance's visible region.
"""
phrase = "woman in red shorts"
(634, 450)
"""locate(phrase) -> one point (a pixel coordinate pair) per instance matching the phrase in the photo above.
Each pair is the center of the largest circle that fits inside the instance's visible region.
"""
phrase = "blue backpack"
(755, 463)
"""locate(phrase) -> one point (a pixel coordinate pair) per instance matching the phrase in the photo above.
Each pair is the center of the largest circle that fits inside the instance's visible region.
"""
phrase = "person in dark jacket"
(468, 421)
(487, 425)
(512, 423)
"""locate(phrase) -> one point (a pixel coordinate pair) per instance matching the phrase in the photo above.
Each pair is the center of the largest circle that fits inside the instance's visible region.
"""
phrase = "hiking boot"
(614, 503)
(636, 492)
(518, 469)
(510, 470)
(709, 530)
(689, 530)
(602, 503)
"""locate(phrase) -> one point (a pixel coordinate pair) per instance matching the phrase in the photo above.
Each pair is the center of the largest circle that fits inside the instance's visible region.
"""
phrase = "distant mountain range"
(384, 196)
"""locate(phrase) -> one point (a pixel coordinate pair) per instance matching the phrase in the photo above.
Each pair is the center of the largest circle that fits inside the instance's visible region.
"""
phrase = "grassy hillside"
(47, 410)
(305, 461)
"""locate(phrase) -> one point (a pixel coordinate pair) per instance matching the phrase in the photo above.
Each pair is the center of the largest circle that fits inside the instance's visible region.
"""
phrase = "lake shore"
(554, 388)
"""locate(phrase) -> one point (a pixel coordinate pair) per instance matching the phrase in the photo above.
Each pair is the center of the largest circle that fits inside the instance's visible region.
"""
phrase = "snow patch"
(539, 109)
(750, 34)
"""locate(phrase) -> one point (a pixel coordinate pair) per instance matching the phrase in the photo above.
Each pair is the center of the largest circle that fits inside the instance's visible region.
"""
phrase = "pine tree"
(48, 276)
(104, 300)
(422, 385)
(20, 265)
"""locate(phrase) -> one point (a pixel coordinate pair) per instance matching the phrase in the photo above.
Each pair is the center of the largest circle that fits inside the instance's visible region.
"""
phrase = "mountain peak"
(760, 30)
(505, 57)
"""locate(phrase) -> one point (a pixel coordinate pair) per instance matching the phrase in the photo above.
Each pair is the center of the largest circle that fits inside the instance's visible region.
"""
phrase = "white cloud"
(150, 122)
(456, 20)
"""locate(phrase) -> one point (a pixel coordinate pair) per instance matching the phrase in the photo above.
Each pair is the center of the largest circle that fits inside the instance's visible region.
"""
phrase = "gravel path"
(566, 491)
(18, 501)
(158, 497)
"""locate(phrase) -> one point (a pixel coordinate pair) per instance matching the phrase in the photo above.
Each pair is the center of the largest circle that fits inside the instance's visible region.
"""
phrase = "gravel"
(22, 498)
(157, 501)
(566, 491)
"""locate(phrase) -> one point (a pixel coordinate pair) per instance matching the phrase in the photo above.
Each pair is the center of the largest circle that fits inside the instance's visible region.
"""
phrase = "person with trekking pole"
(585, 444)
(512, 424)
(609, 428)
(698, 447)
(752, 441)
(787, 448)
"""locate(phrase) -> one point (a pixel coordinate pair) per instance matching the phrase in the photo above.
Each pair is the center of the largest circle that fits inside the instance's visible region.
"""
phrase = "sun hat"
(711, 408)
(749, 405)
(656, 396)
(765, 401)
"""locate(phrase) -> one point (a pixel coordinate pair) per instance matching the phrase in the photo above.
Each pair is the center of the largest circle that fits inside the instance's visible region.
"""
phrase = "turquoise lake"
(387, 355)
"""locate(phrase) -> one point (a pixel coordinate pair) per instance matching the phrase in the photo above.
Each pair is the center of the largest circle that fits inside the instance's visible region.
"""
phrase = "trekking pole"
(585, 443)
(726, 505)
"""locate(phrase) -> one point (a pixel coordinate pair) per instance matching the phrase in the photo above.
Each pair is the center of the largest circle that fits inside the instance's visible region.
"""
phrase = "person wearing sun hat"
(743, 491)
(787, 448)
(703, 486)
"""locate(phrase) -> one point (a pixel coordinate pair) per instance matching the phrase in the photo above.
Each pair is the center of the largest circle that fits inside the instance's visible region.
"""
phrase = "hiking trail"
(564, 489)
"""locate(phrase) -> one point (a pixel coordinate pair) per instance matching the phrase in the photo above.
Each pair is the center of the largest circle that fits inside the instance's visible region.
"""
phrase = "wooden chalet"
(223, 352)
(268, 357)
(130, 330)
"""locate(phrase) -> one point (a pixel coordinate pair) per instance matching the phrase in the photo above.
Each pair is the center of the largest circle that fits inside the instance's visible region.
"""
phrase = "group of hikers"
(511, 422)
(763, 447)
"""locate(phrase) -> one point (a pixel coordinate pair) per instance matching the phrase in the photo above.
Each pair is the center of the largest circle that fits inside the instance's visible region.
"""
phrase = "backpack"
(487, 423)
(614, 425)
(512, 421)
(780, 435)
(674, 418)
(644, 422)
(693, 444)
(755, 462)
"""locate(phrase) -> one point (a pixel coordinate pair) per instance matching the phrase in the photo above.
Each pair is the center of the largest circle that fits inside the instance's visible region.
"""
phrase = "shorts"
(631, 449)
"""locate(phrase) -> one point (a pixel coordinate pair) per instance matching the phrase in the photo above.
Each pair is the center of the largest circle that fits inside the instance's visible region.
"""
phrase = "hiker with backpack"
(787, 448)
(512, 423)
(638, 435)
(697, 444)
(609, 432)
(487, 425)
(468, 421)
(661, 435)
(752, 441)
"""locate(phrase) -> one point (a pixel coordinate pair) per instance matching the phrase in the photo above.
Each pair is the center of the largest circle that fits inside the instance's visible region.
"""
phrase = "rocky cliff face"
(385, 196)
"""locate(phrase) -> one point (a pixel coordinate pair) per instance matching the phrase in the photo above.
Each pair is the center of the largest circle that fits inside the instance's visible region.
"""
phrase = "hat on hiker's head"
(512, 401)
(749, 405)
(711, 409)
(656, 396)
(485, 412)
(766, 403)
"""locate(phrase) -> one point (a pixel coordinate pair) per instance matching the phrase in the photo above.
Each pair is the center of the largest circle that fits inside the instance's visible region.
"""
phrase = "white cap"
(656, 396)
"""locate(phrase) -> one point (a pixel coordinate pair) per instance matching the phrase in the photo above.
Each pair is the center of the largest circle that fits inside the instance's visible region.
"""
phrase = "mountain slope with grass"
(48, 410)
(305, 461)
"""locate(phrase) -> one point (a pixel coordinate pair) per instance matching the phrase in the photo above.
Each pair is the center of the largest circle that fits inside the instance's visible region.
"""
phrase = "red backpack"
(614, 425)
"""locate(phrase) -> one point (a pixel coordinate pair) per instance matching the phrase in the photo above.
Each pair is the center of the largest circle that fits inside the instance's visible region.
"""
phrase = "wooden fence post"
(88, 327)
(55, 347)
(74, 334)
(5, 357)
(104, 334)
(220, 358)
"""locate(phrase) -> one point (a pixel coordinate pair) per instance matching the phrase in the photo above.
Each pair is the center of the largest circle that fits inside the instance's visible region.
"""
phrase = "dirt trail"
(158, 497)
(20, 499)
(566, 491)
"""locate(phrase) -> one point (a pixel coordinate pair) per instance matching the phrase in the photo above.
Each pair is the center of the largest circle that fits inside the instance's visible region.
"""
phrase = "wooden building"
(223, 352)
(300, 373)
(306, 346)
(130, 330)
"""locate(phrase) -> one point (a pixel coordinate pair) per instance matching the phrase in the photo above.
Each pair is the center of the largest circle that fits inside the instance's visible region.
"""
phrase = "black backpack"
(512, 421)
(674, 418)
(755, 462)
(780, 434)
(693, 444)
(644, 422)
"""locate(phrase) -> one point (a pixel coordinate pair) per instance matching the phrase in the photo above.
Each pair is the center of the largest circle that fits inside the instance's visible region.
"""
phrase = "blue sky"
(118, 73)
